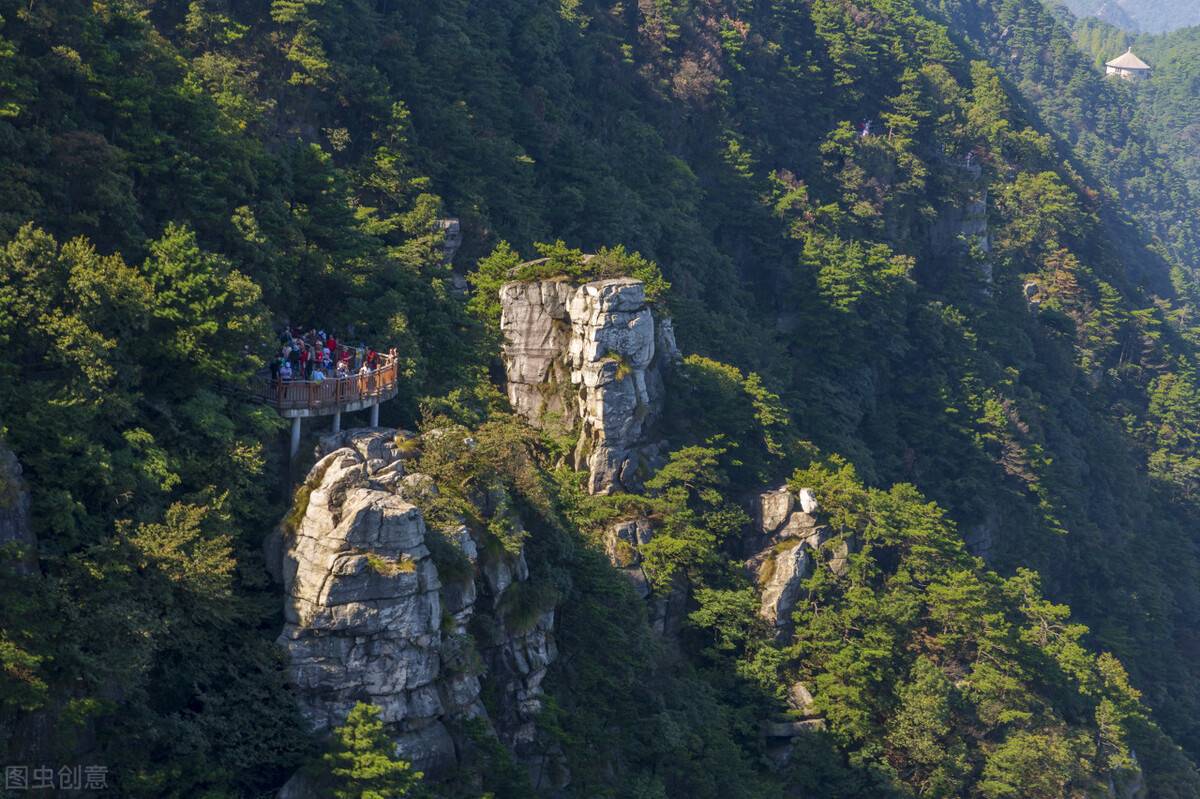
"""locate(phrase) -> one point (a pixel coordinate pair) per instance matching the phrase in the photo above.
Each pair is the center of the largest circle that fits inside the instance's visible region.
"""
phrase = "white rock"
(781, 577)
(589, 355)
(801, 699)
(774, 507)
(364, 610)
(361, 595)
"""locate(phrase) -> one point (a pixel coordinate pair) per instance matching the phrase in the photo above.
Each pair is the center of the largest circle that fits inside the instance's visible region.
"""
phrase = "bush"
(558, 260)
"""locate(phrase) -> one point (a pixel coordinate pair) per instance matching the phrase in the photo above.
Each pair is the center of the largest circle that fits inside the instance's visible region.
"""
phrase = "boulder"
(801, 699)
(804, 526)
(637, 578)
(782, 549)
(839, 558)
(376, 445)
(623, 539)
(272, 552)
(536, 330)
(429, 749)
(669, 609)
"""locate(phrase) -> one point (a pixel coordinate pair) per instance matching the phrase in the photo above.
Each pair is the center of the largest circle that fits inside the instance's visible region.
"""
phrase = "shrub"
(388, 567)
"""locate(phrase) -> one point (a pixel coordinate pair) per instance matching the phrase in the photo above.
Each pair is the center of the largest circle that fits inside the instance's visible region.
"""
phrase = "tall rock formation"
(590, 356)
(368, 616)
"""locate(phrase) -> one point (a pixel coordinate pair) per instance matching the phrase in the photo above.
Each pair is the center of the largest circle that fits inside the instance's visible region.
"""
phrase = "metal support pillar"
(375, 415)
(337, 422)
(295, 437)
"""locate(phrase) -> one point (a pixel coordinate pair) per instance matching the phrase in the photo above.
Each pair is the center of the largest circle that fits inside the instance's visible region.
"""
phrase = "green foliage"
(24, 627)
(361, 763)
(522, 604)
(389, 567)
(998, 681)
(557, 261)
(175, 181)
(695, 518)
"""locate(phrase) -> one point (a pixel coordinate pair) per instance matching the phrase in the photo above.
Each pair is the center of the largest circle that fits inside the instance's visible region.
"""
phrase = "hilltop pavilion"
(1128, 66)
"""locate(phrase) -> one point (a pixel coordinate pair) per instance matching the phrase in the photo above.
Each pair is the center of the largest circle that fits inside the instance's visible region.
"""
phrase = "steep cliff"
(591, 356)
(370, 617)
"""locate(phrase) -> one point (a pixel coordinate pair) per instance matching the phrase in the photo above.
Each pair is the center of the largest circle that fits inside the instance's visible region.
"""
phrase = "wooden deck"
(302, 398)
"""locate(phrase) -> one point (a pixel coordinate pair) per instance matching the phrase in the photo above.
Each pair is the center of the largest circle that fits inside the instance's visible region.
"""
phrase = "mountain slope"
(954, 296)
(1151, 16)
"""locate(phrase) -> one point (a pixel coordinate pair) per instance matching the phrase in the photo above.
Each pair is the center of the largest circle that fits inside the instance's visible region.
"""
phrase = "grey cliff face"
(590, 356)
(368, 617)
(15, 530)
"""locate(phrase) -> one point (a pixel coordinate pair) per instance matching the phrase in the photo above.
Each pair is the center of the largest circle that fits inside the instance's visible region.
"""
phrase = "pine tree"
(362, 763)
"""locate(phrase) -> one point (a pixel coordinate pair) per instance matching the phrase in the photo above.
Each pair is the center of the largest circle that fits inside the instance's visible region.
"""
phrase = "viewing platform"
(300, 399)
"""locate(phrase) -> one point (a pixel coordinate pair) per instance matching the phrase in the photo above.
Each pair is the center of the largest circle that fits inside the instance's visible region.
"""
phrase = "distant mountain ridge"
(1151, 16)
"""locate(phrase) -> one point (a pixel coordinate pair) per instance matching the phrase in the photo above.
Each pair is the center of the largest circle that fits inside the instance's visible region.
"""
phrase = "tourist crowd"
(316, 356)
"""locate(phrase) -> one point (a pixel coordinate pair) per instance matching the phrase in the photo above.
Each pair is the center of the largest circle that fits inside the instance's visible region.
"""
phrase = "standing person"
(331, 345)
(314, 385)
(276, 365)
(285, 371)
(309, 363)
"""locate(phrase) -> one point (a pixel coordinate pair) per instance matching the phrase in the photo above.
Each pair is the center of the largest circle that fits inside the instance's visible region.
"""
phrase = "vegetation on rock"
(1003, 422)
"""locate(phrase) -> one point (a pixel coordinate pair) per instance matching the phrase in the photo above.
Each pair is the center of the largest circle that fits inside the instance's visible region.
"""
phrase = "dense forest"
(1165, 107)
(1004, 423)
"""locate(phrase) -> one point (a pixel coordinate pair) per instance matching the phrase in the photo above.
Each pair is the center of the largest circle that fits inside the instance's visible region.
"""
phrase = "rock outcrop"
(783, 549)
(368, 616)
(363, 609)
(780, 576)
(590, 356)
(960, 227)
(622, 543)
(15, 530)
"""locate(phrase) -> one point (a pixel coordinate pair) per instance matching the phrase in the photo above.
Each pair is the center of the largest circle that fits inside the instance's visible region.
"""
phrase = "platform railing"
(332, 393)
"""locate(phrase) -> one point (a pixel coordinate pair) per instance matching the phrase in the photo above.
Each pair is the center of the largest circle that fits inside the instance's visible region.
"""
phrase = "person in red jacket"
(331, 345)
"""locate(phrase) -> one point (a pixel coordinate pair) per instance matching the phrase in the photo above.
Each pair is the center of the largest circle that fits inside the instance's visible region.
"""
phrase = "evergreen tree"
(361, 762)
